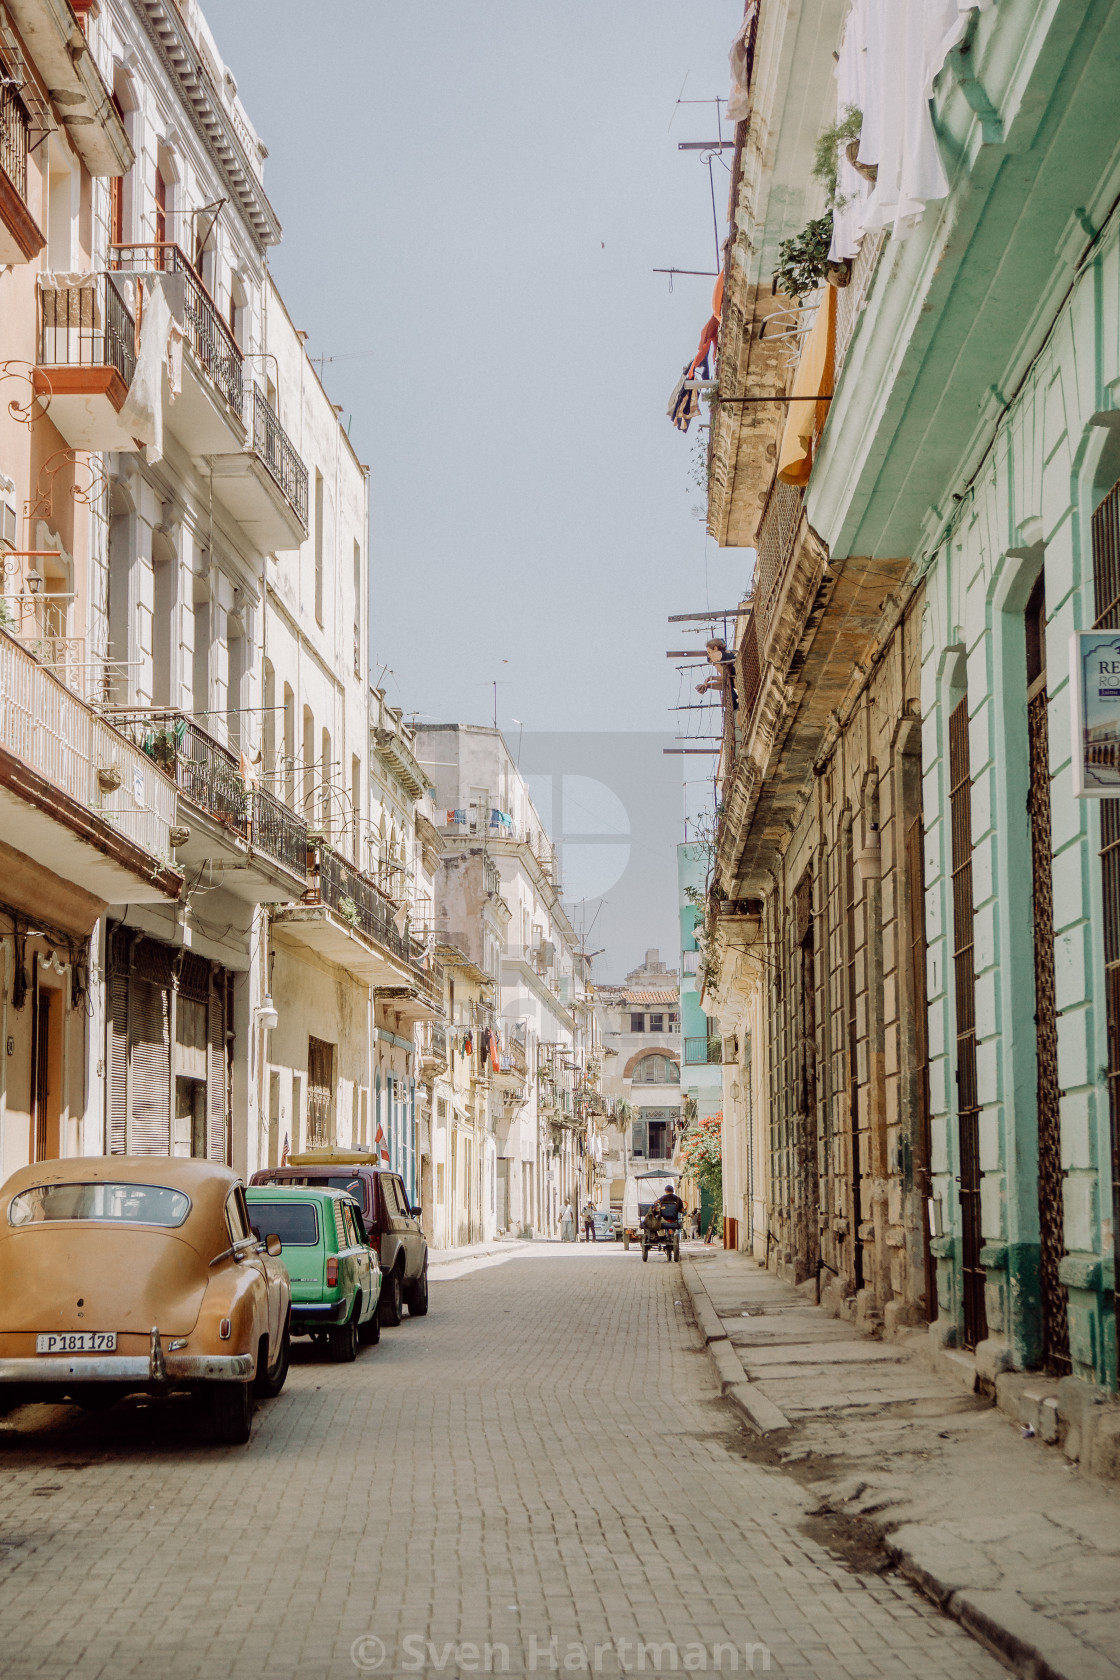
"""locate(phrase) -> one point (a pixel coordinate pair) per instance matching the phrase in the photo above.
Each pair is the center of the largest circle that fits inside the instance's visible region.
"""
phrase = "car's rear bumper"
(69, 1369)
(306, 1315)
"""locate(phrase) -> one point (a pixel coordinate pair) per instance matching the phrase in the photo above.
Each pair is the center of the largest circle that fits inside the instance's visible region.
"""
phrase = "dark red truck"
(393, 1225)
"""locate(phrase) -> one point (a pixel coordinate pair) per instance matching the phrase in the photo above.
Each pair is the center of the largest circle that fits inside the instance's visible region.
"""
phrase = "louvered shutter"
(150, 1133)
(116, 1094)
(216, 1084)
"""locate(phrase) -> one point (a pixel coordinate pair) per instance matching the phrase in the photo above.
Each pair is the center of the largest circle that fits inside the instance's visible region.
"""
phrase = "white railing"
(69, 745)
(851, 298)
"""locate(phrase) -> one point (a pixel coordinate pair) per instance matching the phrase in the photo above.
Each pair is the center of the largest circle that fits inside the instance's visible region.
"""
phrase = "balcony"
(345, 916)
(207, 416)
(433, 1048)
(241, 834)
(20, 237)
(701, 1051)
(87, 358)
(75, 791)
(265, 485)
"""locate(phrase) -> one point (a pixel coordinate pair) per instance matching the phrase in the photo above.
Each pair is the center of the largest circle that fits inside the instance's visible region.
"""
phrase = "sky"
(474, 198)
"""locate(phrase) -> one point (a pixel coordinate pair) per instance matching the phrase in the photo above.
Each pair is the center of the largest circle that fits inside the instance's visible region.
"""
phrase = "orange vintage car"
(127, 1273)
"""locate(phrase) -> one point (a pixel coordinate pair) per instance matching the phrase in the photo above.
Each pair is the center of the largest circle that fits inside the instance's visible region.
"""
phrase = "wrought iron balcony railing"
(698, 1051)
(209, 775)
(15, 129)
(272, 443)
(87, 326)
(213, 344)
(357, 899)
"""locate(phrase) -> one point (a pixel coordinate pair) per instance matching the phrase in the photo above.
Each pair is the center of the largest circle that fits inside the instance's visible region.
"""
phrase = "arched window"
(657, 1070)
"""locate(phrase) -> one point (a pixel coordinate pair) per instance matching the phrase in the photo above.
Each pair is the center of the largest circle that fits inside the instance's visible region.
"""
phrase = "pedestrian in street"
(695, 1223)
(588, 1222)
(567, 1223)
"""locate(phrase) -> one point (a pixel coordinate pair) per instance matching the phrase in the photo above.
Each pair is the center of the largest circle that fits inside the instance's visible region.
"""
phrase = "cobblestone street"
(538, 1474)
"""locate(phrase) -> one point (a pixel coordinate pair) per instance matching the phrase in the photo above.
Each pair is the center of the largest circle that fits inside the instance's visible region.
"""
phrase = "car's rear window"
(351, 1185)
(117, 1204)
(295, 1223)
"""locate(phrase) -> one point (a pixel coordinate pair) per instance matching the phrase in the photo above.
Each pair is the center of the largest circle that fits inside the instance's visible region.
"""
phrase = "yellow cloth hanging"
(812, 381)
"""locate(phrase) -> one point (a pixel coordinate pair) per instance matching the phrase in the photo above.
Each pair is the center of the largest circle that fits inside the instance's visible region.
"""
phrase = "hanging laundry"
(495, 1053)
(889, 59)
(456, 817)
(141, 413)
(684, 405)
(738, 104)
(468, 1045)
(813, 380)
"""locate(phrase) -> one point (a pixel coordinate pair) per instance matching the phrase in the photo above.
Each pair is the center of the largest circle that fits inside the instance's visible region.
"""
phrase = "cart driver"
(670, 1206)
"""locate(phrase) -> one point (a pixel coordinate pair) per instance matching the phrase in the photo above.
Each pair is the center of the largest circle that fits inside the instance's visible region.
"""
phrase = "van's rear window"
(117, 1204)
(295, 1223)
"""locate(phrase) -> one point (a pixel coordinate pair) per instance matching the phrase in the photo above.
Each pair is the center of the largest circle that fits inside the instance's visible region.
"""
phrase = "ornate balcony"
(347, 918)
(75, 794)
(249, 838)
(265, 485)
(208, 415)
(21, 238)
(87, 359)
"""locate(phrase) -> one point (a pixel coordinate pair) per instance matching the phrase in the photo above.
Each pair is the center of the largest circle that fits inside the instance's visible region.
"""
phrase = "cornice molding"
(185, 65)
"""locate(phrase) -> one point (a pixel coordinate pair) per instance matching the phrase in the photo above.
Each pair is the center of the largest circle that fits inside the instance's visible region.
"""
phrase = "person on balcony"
(723, 677)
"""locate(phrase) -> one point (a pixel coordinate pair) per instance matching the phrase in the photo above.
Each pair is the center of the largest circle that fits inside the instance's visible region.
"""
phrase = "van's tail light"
(332, 1271)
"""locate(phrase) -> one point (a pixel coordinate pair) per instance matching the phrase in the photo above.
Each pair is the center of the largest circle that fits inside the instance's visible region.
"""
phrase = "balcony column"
(132, 588)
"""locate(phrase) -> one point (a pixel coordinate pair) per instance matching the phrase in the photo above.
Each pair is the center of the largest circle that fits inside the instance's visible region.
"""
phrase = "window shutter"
(150, 1132)
(216, 1084)
(117, 1093)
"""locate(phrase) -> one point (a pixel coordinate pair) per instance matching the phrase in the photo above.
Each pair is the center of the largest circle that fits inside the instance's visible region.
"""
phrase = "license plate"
(78, 1341)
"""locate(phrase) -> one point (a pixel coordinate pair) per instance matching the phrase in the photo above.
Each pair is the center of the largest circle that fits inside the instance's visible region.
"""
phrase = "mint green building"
(976, 429)
(961, 479)
(701, 1051)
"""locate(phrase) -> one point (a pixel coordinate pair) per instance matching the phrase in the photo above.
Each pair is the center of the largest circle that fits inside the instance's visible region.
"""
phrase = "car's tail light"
(224, 1329)
(332, 1271)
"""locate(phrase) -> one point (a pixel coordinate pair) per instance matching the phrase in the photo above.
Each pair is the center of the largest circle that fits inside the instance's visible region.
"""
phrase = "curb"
(761, 1414)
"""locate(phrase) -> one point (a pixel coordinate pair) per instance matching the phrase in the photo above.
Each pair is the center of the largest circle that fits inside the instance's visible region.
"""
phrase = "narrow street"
(538, 1477)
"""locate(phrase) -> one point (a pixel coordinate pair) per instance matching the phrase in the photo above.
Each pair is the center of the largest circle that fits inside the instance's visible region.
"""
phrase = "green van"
(336, 1279)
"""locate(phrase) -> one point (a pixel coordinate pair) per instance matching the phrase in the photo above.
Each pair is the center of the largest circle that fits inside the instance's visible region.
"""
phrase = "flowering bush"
(701, 1153)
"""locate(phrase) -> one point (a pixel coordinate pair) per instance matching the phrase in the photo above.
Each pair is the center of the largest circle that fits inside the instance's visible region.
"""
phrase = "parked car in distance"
(139, 1273)
(393, 1225)
(336, 1280)
(607, 1225)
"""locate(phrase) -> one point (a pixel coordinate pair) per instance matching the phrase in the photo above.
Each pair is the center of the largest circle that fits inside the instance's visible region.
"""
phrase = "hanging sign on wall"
(1095, 681)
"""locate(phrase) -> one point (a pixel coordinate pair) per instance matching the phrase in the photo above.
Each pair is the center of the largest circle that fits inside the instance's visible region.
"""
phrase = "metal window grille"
(1106, 580)
(320, 1093)
(1055, 1302)
(968, 1106)
(851, 1070)
(923, 1142)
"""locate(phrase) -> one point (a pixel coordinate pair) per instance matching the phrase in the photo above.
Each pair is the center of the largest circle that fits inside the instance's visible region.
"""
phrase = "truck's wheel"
(418, 1294)
(231, 1413)
(391, 1306)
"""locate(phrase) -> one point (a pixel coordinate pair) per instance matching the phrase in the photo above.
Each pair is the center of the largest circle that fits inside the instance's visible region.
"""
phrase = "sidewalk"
(997, 1528)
